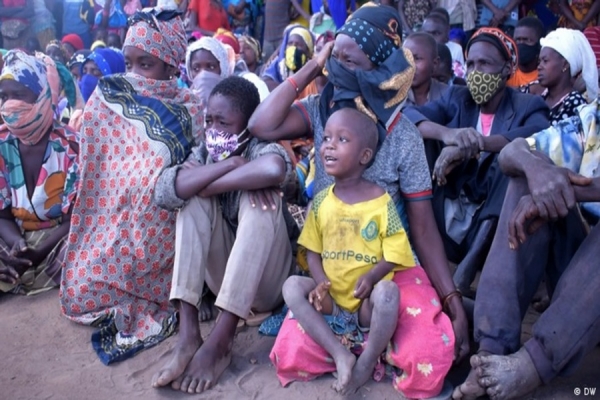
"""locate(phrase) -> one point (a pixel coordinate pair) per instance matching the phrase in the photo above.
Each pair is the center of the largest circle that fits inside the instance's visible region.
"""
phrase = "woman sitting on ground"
(376, 82)
(38, 175)
(121, 248)
(565, 54)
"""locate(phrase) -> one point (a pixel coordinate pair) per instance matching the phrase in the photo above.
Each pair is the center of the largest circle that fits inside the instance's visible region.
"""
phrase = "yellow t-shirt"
(352, 239)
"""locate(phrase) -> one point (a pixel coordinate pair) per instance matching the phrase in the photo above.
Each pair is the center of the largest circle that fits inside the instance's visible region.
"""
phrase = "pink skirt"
(419, 355)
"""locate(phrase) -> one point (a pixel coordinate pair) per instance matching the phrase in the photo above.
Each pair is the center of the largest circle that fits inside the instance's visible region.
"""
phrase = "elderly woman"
(295, 51)
(121, 245)
(474, 123)
(565, 54)
(375, 79)
(38, 174)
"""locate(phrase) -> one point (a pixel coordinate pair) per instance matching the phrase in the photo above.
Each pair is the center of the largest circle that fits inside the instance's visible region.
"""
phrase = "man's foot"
(508, 377)
(207, 310)
(344, 365)
(203, 372)
(361, 373)
(182, 354)
(470, 389)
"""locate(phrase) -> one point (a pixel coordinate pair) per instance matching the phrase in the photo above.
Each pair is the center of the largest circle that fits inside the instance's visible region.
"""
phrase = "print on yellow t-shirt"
(352, 239)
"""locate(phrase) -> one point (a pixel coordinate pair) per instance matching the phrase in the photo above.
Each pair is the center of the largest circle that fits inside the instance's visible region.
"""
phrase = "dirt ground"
(44, 356)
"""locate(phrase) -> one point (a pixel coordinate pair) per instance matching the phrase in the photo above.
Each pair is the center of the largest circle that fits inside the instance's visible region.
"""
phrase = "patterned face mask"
(483, 86)
(221, 145)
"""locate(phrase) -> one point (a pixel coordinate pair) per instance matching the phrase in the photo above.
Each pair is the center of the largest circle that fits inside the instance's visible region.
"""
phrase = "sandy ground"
(44, 356)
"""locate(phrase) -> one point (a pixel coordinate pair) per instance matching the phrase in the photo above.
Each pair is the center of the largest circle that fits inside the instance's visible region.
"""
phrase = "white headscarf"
(263, 89)
(576, 49)
(213, 46)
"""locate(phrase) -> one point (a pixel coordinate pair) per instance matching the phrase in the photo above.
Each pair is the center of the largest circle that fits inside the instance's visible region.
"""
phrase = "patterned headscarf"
(78, 57)
(376, 30)
(216, 48)
(109, 61)
(501, 41)
(379, 92)
(160, 33)
(29, 123)
(61, 82)
(253, 44)
(227, 37)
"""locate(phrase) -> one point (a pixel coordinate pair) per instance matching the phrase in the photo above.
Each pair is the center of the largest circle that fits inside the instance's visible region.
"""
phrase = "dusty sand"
(45, 356)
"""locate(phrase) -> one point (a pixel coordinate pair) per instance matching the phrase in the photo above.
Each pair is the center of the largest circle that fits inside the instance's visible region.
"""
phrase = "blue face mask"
(87, 85)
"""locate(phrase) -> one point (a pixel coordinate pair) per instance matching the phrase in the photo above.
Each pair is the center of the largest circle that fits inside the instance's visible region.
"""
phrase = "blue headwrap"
(109, 61)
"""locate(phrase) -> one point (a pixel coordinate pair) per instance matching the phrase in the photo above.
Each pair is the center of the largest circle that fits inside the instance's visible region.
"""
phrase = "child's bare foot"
(508, 377)
(344, 364)
(470, 389)
(182, 354)
(362, 372)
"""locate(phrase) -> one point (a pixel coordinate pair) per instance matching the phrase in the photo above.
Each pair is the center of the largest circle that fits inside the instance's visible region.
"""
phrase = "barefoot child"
(355, 242)
(230, 233)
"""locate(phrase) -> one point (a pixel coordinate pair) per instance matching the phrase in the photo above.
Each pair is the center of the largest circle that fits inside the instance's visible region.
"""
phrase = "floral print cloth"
(418, 356)
(56, 184)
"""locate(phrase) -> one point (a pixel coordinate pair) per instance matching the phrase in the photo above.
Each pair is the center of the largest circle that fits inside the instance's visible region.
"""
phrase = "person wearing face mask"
(295, 51)
(121, 249)
(373, 74)
(474, 123)
(35, 207)
(527, 36)
(206, 63)
(100, 62)
(225, 197)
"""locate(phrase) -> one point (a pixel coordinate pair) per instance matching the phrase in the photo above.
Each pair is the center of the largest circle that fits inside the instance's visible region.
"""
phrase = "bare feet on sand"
(507, 377)
(344, 365)
(470, 389)
(182, 355)
(203, 372)
(362, 372)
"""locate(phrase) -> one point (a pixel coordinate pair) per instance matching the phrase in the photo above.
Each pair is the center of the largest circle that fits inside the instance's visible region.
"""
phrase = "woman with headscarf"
(38, 176)
(206, 64)
(251, 53)
(56, 50)
(121, 245)
(100, 62)
(76, 61)
(295, 51)
(375, 79)
(565, 54)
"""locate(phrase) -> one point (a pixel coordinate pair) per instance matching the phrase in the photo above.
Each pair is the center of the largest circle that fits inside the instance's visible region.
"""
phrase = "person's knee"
(195, 205)
(255, 212)
(296, 288)
(386, 295)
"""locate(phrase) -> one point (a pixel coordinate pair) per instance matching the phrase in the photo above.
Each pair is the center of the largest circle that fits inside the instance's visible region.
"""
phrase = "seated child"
(355, 241)
(230, 233)
(424, 88)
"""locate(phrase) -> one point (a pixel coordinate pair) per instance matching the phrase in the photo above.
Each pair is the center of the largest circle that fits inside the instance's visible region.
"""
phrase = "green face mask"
(483, 85)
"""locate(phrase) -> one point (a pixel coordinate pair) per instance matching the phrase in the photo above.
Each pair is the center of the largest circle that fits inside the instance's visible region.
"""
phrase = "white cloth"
(576, 49)
(263, 89)
(216, 48)
(457, 52)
